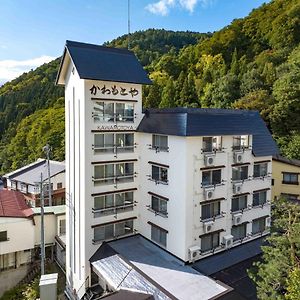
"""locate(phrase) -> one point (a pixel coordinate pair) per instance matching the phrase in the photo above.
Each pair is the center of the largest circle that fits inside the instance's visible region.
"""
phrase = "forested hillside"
(253, 63)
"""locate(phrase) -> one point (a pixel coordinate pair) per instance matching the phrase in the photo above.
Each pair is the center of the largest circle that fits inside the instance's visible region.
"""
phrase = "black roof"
(209, 122)
(293, 162)
(104, 63)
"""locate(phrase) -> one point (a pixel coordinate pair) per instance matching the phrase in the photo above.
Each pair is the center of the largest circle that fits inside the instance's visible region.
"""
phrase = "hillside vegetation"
(254, 63)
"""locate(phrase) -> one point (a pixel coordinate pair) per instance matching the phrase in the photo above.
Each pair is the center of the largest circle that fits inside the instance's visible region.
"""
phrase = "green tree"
(168, 95)
(293, 285)
(281, 255)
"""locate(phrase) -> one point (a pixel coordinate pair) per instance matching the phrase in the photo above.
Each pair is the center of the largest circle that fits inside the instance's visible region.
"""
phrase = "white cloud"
(162, 7)
(10, 69)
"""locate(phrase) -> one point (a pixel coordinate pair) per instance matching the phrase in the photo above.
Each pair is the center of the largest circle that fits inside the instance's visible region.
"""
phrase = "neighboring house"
(285, 178)
(194, 182)
(55, 231)
(26, 180)
(16, 238)
(20, 236)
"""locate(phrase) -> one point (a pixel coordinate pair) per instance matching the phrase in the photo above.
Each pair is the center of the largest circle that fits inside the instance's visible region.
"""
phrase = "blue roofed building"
(152, 191)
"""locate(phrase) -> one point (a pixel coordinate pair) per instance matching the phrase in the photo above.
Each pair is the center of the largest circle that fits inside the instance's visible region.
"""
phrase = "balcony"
(114, 149)
(115, 179)
(114, 210)
(113, 118)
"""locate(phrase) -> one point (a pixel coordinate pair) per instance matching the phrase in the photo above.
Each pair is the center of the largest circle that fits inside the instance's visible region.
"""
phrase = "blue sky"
(34, 31)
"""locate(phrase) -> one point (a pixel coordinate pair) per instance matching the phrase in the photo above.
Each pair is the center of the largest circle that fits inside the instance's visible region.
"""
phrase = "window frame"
(290, 174)
(3, 236)
(157, 143)
(214, 242)
(212, 209)
(108, 112)
(107, 210)
(215, 146)
(261, 229)
(240, 146)
(260, 173)
(259, 193)
(162, 235)
(160, 178)
(238, 199)
(240, 172)
(115, 177)
(211, 176)
(111, 228)
(239, 237)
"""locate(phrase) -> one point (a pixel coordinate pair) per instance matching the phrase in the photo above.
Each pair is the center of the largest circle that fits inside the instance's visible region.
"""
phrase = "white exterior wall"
(195, 192)
(80, 172)
(58, 178)
(20, 234)
(176, 191)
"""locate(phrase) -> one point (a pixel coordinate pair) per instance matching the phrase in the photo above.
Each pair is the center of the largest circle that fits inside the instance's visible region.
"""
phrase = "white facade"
(16, 249)
(182, 230)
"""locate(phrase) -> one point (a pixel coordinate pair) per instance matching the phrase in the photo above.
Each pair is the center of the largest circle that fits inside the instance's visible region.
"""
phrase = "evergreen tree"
(168, 95)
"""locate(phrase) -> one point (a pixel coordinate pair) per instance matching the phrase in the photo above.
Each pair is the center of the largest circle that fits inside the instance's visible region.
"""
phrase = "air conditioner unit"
(209, 160)
(209, 193)
(268, 222)
(208, 226)
(238, 157)
(194, 253)
(227, 241)
(237, 188)
(237, 219)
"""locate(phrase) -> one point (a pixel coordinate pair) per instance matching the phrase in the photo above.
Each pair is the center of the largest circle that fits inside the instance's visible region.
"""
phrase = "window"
(159, 235)
(124, 112)
(13, 185)
(212, 143)
(210, 241)
(23, 188)
(160, 142)
(259, 198)
(124, 142)
(112, 204)
(103, 112)
(114, 173)
(159, 174)
(240, 142)
(211, 177)
(260, 170)
(62, 227)
(290, 197)
(59, 185)
(3, 236)
(239, 173)
(113, 143)
(290, 178)
(239, 232)
(239, 203)
(259, 225)
(210, 210)
(113, 112)
(114, 230)
(159, 205)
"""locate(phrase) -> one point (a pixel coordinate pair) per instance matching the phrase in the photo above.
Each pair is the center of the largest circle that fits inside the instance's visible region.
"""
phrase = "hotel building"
(194, 182)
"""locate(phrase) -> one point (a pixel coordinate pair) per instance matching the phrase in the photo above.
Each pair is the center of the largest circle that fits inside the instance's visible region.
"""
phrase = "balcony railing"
(222, 214)
(158, 181)
(114, 210)
(115, 179)
(114, 149)
(113, 118)
(157, 213)
(158, 148)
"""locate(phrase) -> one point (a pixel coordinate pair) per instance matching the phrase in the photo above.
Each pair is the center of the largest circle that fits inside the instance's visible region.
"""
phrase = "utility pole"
(42, 226)
(47, 150)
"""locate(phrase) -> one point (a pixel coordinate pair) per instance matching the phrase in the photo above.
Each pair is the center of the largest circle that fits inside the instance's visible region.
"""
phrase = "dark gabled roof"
(209, 122)
(293, 162)
(104, 63)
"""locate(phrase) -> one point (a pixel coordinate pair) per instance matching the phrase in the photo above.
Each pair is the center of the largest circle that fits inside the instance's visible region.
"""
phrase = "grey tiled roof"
(209, 122)
(31, 174)
(103, 63)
